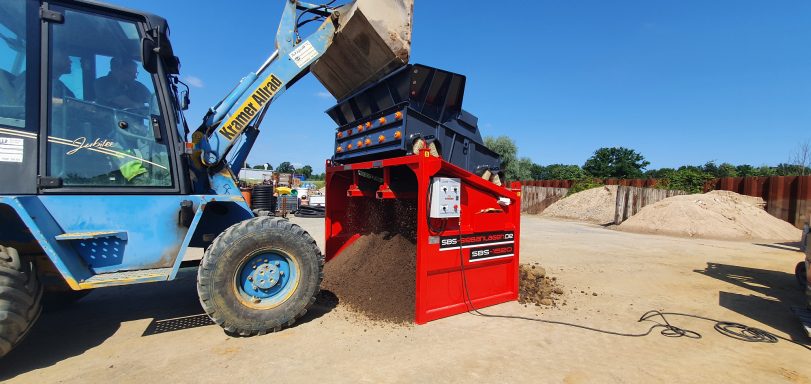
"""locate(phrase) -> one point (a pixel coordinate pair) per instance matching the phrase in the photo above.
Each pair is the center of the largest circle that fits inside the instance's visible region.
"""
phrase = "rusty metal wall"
(536, 199)
(631, 200)
(787, 197)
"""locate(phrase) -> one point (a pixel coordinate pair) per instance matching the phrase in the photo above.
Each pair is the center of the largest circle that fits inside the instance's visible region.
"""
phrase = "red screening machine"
(465, 228)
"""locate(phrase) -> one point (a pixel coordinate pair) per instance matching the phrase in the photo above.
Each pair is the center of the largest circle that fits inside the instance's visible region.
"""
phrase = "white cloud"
(324, 95)
(194, 81)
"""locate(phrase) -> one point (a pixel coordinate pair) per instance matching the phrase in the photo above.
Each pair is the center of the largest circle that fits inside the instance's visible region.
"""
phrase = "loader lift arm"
(240, 113)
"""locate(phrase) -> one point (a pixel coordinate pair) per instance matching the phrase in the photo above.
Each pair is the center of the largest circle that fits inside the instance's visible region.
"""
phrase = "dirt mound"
(375, 277)
(596, 205)
(715, 215)
(535, 287)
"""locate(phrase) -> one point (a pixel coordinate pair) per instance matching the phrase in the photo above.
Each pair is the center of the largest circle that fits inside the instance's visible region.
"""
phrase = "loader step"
(126, 277)
(92, 235)
(804, 314)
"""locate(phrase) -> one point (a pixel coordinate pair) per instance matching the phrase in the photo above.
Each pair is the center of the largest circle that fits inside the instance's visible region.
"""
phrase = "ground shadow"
(778, 293)
(173, 306)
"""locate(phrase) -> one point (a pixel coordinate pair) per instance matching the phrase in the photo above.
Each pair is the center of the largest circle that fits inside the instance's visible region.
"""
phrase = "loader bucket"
(373, 40)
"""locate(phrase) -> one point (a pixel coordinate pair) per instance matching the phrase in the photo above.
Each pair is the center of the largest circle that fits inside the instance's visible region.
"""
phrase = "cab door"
(107, 161)
(19, 96)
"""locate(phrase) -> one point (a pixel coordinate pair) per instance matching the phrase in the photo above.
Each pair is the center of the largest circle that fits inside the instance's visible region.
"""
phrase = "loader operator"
(119, 88)
(61, 66)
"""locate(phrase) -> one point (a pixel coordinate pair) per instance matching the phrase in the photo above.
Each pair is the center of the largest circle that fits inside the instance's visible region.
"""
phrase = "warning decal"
(11, 150)
(303, 54)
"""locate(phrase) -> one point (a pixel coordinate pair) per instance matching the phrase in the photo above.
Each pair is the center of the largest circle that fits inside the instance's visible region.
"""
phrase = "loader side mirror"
(184, 100)
(149, 56)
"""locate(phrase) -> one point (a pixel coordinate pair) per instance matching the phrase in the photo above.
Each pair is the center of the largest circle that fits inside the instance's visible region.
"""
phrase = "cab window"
(12, 63)
(103, 111)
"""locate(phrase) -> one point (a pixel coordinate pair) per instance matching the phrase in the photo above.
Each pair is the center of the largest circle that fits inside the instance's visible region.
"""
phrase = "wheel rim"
(266, 279)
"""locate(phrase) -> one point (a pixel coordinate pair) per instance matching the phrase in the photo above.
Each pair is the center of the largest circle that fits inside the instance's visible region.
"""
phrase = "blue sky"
(682, 82)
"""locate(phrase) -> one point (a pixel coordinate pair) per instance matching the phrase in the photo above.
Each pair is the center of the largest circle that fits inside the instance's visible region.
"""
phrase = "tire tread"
(20, 298)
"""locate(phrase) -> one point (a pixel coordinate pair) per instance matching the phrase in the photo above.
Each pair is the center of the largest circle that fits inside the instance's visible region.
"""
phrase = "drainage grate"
(177, 324)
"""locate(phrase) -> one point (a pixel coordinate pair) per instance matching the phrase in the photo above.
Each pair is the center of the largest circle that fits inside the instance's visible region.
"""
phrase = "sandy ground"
(114, 335)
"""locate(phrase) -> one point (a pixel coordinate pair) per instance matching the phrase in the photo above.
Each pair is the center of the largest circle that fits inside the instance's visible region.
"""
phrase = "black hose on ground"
(730, 329)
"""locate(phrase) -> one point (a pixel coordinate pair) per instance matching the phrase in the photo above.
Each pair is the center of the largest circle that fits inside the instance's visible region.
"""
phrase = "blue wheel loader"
(102, 183)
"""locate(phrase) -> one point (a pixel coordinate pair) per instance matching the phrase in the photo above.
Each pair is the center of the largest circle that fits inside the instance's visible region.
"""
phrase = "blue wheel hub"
(267, 279)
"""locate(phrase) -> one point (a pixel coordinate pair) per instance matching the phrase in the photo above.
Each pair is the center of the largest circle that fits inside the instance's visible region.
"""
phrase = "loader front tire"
(20, 296)
(260, 276)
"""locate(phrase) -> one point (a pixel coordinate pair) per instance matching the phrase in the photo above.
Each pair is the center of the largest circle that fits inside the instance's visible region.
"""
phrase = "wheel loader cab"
(78, 111)
(103, 111)
(88, 140)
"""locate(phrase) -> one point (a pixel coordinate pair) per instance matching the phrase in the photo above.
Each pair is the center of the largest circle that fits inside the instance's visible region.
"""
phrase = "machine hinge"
(51, 16)
(156, 128)
(186, 214)
(49, 182)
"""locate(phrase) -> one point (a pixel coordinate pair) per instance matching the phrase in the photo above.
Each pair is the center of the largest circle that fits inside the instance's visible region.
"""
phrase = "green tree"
(710, 167)
(727, 170)
(765, 170)
(505, 147)
(307, 171)
(689, 179)
(536, 171)
(523, 169)
(616, 162)
(285, 167)
(745, 170)
(661, 173)
(562, 172)
(784, 169)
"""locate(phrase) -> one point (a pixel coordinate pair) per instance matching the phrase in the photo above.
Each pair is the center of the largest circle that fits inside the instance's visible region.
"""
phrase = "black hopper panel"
(428, 102)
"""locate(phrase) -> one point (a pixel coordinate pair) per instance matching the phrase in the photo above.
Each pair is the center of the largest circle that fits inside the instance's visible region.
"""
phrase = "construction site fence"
(536, 199)
(630, 200)
(786, 197)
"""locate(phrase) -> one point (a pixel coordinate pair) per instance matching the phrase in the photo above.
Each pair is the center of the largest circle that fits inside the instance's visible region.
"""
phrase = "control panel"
(445, 197)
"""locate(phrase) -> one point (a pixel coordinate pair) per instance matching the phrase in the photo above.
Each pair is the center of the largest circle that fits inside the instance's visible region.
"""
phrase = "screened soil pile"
(535, 287)
(375, 276)
(596, 205)
(720, 215)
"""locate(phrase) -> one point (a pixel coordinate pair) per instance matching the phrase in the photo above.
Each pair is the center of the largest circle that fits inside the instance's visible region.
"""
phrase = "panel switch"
(445, 192)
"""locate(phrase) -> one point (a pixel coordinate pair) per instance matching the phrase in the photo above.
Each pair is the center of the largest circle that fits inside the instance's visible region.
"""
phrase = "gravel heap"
(596, 205)
(715, 215)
